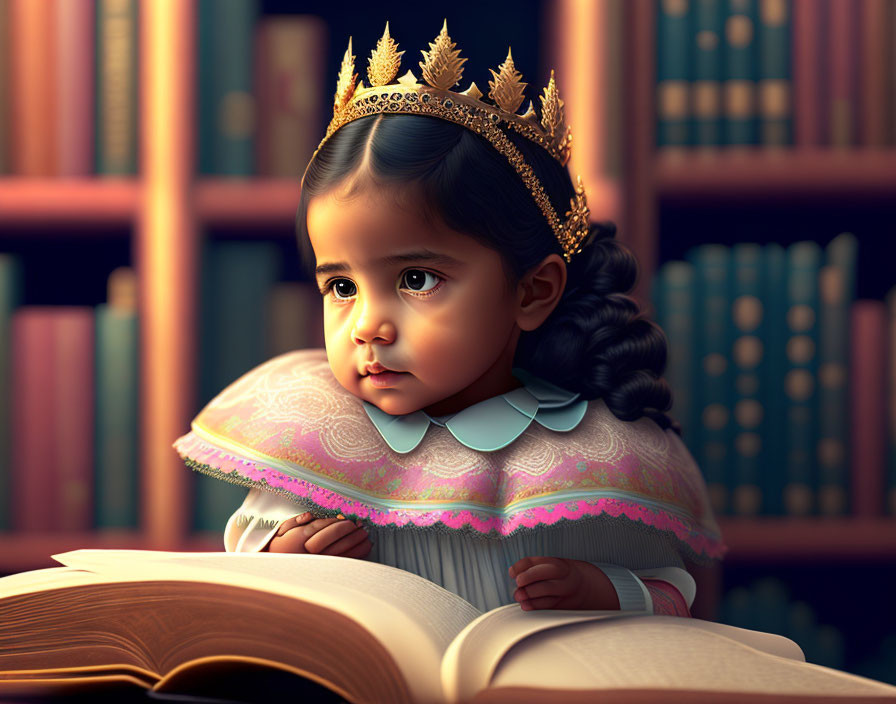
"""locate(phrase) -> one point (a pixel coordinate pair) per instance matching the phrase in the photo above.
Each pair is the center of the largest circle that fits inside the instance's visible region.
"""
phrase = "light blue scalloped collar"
(491, 424)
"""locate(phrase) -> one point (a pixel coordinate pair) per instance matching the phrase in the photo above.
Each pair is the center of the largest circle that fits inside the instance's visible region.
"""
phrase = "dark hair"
(596, 342)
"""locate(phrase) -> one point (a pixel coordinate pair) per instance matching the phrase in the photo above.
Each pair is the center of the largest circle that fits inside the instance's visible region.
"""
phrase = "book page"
(414, 618)
(471, 659)
(665, 652)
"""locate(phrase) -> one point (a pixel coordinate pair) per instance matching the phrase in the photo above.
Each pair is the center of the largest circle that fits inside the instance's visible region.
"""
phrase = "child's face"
(429, 304)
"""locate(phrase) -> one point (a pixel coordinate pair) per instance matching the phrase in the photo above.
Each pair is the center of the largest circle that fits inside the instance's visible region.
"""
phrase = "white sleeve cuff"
(676, 576)
(631, 591)
(255, 522)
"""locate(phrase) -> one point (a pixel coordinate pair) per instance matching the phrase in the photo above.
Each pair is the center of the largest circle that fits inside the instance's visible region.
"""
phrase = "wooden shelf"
(776, 174)
(31, 552)
(793, 540)
(87, 201)
(249, 201)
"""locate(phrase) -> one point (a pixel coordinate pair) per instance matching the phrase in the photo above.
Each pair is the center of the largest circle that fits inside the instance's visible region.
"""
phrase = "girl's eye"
(419, 280)
(343, 288)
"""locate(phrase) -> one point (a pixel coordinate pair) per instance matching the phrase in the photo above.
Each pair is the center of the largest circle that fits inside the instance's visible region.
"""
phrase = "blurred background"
(150, 160)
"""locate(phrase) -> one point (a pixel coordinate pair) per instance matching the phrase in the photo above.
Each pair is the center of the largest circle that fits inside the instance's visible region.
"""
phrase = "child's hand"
(321, 536)
(558, 583)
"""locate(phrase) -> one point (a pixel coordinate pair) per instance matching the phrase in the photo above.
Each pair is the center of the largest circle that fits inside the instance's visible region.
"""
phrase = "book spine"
(746, 356)
(774, 86)
(34, 493)
(804, 261)
(836, 286)
(117, 436)
(891, 403)
(806, 74)
(739, 83)
(711, 272)
(233, 106)
(869, 368)
(673, 19)
(890, 62)
(843, 79)
(289, 73)
(74, 87)
(5, 95)
(32, 88)
(234, 341)
(775, 307)
(73, 359)
(116, 87)
(707, 73)
(10, 299)
(675, 308)
(873, 74)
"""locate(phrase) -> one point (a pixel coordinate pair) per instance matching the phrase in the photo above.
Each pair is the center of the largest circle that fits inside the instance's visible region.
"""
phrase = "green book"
(775, 440)
(774, 89)
(800, 381)
(116, 103)
(747, 359)
(713, 398)
(706, 91)
(11, 297)
(236, 282)
(836, 288)
(739, 82)
(117, 425)
(673, 19)
(226, 110)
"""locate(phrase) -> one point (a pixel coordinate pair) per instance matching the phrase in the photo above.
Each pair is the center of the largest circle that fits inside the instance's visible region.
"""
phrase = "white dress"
(475, 568)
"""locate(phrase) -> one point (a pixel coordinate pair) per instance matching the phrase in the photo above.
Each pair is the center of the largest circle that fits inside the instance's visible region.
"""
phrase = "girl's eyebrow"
(422, 255)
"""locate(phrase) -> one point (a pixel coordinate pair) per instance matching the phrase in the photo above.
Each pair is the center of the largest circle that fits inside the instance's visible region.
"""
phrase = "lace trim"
(244, 519)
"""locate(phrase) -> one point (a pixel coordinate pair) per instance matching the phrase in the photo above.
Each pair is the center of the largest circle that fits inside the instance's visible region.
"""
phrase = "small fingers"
(343, 545)
(327, 534)
(545, 602)
(552, 587)
(554, 569)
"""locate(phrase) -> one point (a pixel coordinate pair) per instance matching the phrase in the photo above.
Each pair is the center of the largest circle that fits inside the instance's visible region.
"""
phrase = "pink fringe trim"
(192, 448)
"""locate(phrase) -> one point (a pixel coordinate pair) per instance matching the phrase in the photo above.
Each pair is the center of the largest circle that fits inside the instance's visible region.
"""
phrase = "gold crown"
(442, 68)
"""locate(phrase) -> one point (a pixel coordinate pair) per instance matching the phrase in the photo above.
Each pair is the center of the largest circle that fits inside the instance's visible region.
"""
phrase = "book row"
(69, 386)
(70, 102)
(782, 380)
(775, 73)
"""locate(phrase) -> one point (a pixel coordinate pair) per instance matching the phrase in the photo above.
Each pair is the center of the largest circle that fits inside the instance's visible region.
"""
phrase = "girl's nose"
(371, 327)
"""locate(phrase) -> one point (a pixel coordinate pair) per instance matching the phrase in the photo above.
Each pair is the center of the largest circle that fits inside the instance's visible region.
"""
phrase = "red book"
(33, 499)
(32, 87)
(868, 392)
(843, 75)
(806, 75)
(873, 28)
(75, 52)
(53, 417)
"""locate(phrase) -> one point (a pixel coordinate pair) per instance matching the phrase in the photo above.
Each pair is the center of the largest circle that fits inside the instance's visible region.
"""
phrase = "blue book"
(11, 297)
(739, 81)
(706, 89)
(673, 19)
(713, 388)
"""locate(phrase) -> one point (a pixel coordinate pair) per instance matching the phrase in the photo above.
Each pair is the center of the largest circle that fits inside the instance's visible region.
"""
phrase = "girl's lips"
(385, 379)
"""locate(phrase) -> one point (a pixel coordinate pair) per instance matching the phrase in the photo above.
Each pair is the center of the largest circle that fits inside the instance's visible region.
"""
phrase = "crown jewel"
(442, 68)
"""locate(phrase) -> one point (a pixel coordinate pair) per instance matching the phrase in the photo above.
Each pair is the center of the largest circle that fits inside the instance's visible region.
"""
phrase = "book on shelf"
(194, 623)
(10, 299)
(739, 43)
(52, 435)
(868, 405)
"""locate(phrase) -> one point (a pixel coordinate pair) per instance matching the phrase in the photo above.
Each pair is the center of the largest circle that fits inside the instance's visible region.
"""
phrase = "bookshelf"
(166, 207)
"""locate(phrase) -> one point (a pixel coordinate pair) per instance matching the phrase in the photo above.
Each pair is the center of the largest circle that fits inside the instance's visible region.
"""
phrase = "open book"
(192, 623)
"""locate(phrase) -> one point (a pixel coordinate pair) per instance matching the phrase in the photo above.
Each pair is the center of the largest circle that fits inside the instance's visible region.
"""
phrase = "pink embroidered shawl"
(288, 426)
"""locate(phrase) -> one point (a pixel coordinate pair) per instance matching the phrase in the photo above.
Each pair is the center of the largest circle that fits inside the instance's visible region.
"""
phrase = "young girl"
(490, 413)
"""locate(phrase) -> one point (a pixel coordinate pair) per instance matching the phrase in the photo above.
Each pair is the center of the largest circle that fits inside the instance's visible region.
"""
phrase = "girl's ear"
(539, 291)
